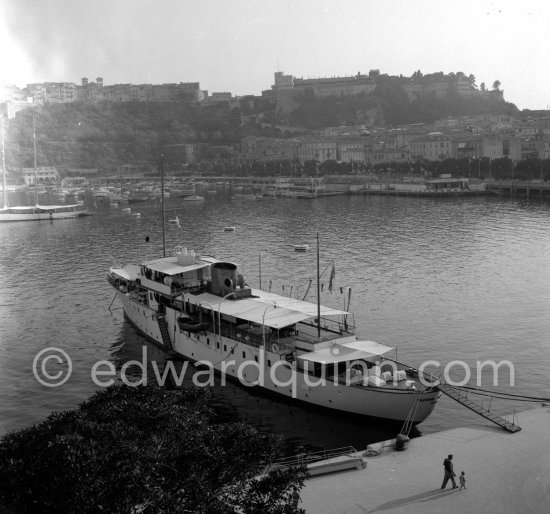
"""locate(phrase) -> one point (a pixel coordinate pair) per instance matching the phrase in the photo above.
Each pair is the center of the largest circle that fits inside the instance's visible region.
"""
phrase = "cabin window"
(224, 348)
(268, 363)
(218, 346)
(208, 341)
(244, 355)
(256, 358)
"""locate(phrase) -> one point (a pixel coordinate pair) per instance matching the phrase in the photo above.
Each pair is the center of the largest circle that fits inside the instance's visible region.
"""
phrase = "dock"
(424, 193)
(538, 189)
(506, 473)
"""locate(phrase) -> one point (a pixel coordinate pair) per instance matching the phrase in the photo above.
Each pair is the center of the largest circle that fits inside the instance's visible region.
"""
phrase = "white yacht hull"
(42, 212)
(268, 370)
(40, 216)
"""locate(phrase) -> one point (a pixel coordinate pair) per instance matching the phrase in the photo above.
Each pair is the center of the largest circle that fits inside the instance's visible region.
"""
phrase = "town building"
(433, 146)
(40, 175)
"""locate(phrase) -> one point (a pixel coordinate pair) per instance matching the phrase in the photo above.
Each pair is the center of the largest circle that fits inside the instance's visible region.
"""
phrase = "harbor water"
(452, 280)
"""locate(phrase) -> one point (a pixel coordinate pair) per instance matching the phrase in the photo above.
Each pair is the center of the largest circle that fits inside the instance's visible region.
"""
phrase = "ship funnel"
(224, 278)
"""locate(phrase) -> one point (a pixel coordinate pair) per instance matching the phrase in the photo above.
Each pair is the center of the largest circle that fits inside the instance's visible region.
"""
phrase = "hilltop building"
(287, 88)
(92, 92)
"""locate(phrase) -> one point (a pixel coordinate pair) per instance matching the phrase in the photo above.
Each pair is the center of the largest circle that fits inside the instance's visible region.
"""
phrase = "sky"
(237, 45)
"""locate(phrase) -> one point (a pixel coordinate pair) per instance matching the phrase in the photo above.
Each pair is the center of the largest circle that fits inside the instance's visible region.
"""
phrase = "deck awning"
(250, 309)
(371, 347)
(128, 272)
(169, 267)
(296, 305)
(346, 352)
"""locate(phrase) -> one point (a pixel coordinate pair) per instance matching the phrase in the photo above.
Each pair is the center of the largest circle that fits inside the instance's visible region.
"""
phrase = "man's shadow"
(423, 497)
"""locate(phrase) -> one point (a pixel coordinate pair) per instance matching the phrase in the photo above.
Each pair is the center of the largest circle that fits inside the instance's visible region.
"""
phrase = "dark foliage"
(110, 134)
(143, 450)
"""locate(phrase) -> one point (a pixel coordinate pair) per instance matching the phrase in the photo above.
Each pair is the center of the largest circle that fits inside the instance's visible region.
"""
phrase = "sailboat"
(201, 308)
(36, 212)
(193, 197)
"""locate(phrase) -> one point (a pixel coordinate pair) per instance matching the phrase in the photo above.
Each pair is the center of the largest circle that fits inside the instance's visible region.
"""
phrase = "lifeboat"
(189, 324)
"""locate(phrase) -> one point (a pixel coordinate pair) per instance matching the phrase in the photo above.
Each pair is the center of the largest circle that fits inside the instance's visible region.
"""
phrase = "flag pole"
(162, 207)
(318, 295)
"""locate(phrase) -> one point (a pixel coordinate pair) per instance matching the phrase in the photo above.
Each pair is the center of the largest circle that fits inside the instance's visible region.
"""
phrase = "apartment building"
(433, 146)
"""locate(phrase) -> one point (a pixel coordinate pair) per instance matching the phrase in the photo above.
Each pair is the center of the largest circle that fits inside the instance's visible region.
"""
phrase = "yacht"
(202, 309)
(35, 212)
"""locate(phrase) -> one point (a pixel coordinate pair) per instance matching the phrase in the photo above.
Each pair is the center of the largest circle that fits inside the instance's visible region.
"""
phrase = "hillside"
(110, 134)
(105, 135)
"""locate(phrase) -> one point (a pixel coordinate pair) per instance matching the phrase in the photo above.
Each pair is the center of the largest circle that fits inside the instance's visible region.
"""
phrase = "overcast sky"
(236, 45)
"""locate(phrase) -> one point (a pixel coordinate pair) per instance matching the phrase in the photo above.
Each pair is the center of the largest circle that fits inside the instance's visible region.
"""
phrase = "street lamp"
(219, 313)
(211, 310)
(263, 322)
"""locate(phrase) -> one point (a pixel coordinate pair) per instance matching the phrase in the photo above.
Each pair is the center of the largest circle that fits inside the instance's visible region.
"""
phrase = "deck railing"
(311, 457)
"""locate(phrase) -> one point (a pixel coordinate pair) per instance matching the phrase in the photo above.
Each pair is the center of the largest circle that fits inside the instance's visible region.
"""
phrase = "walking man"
(449, 473)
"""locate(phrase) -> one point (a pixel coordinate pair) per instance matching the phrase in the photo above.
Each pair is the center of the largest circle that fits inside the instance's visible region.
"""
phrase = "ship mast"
(35, 168)
(162, 206)
(318, 295)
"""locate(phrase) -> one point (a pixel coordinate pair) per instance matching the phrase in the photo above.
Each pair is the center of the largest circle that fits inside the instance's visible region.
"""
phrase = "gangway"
(164, 331)
(324, 461)
(462, 397)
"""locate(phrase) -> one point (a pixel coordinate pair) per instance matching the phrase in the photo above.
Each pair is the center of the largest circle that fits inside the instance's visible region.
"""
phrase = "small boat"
(193, 198)
(265, 196)
(244, 197)
(175, 221)
(136, 214)
(138, 199)
(301, 248)
(229, 229)
(189, 324)
(126, 209)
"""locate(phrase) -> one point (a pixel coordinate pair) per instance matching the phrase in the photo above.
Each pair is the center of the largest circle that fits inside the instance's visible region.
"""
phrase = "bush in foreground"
(143, 450)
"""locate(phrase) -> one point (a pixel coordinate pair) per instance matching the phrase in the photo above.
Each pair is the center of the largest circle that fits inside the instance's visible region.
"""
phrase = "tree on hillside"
(482, 86)
(143, 450)
(496, 85)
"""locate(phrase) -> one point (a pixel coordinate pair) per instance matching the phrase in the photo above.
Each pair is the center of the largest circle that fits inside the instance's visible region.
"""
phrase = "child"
(462, 479)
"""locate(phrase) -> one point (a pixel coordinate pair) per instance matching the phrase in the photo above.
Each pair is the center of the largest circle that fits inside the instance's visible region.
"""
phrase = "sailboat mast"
(318, 294)
(162, 207)
(35, 168)
(4, 165)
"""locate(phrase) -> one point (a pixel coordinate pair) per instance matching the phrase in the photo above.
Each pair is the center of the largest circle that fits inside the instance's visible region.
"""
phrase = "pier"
(505, 473)
(528, 188)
